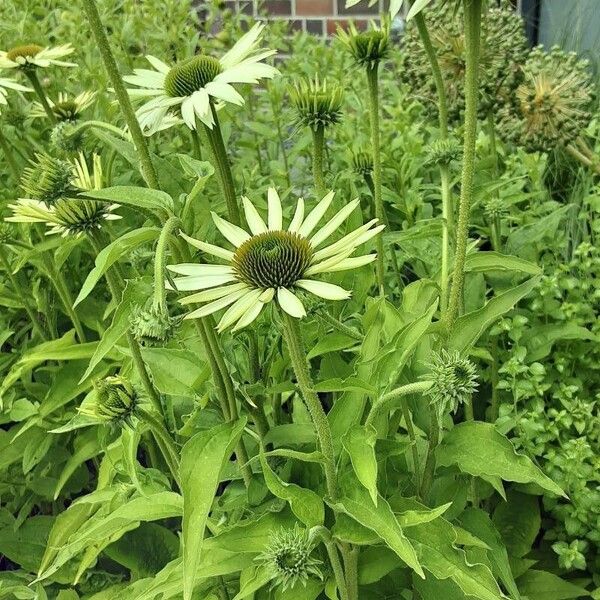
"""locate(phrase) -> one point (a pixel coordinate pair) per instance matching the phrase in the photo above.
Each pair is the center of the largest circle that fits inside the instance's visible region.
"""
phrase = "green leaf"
(482, 262)
(138, 197)
(416, 8)
(291, 434)
(408, 515)
(350, 384)
(202, 459)
(332, 342)
(479, 449)
(112, 253)
(518, 520)
(305, 504)
(252, 579)
(471, 326)
(359, 443)
(540, 339)
(382, 521)
(541, 585)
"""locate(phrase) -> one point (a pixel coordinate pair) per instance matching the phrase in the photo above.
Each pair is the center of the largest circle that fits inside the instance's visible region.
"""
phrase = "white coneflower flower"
(30, 56)
(193, 84)
(9, 84)
(65, 109)
(68, 215)
(270, 262)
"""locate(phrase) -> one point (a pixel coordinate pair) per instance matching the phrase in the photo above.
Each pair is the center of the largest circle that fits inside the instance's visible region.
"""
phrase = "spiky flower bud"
(47, 179)
(494, 208)
(443, 152)
(552, 104)
(454, 381)
(288, 558)
(152, 326)
(368, 48)
(316, 103)
(362, 163)
(115, 400)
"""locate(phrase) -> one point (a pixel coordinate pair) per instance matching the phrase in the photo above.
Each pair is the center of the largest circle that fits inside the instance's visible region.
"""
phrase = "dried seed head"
(191, 75)
(317, 104)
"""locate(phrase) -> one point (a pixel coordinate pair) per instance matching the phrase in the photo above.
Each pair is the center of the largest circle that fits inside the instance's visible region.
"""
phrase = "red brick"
(314, 7)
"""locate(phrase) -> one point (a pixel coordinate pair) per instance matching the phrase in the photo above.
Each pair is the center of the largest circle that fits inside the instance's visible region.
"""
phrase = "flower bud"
(152, 326)
(115, 400)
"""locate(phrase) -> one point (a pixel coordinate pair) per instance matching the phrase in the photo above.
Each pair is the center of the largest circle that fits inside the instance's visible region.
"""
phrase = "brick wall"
(319, 17)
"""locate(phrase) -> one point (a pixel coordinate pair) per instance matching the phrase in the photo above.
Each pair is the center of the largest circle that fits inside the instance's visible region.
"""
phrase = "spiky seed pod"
(551, 106)
(362, 163)
(503, 50)
(494, 208)
(115, 401)
(317, 103)
(47, 179)
(368, 48)
(443, 152)
(152, 326)
(454, 381)
(288, 558)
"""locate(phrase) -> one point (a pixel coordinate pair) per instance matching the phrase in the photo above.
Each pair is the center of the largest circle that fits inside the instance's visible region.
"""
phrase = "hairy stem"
(334, 561)
(472, 10)
(293, 340)
(418, 387)
(350, 554)
(447, 229)
(110, 64)
(160, 257)
(434, 440)
(318, 136)
(330, 320)
(10, 159)
(37, 86)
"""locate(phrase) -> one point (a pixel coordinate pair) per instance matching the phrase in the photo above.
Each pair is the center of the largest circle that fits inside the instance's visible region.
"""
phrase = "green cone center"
(273, 259)
(191, 75)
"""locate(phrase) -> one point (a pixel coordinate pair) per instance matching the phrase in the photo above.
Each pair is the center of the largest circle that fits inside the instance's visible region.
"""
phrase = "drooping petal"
(298, 216)
(348, 264)
(254, 220)
(315, 215)
(333, 224)
(237, 310)
(290, 303)
(267, 295)
(225, 92)
(200, 269)
(250, 315)
(242, 47)
(274, 210)
(234, 234)
(187, 113)
(201, 103)
(329, 291)
(341, 244)
(208, 248)
(216, 305)
(213, 294)
(201, 282)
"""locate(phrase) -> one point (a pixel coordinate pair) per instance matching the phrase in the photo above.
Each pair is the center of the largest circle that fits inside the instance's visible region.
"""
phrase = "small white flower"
(66, 215)
(193, 85)
(30, 56)
(65, 108)
(271, 263)
(5, 84)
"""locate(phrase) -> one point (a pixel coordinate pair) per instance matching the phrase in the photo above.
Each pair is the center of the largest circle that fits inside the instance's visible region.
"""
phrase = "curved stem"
(98, 125)
(583, 159)
(472, 10)
(330, 320)
(318, 137)
(160, 257)
(139, 141)
(418, 387)
(334, 560)
(373, 84)
(37, 86)
(293, 339)
(10, 159)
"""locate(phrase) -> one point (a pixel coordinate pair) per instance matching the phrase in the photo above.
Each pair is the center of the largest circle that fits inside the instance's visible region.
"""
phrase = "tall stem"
(64, 293)
(373, 83)
(293, 339)
(147, 168)
(276, 112)
(447, 229)
(37, 86)
(334, 561)
(472, 11)
(318, 136)
(434, 440)
(160, 257)
(350, 555)
(10, 159)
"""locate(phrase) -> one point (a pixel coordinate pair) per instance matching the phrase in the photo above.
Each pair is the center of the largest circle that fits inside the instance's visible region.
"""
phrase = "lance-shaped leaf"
(359, 443)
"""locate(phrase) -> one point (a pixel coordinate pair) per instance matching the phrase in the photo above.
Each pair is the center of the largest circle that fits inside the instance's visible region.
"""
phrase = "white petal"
(216, 305)
(237, 310)
(355, 262)
(298, 216)
(201, 282)
(329, 291)
(234, 234)
(250, 315)
(247, 73)
(347, 241)
(315, 215)
(213, 294)
(209, 248)
(267, 295)
(242, 47)
(328, 263)
(333, 224)
(254, 220)
(159, 65)
(198, 269)
(274, 208)
(201, 103)
(187, 113)
(290, 303)
(225, 92)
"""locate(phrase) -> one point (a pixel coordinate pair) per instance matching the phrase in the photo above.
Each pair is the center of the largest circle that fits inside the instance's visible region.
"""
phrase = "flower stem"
(37, 86)
(583, 159)
(33, 317)
(318, 136)
(160, 258)
(223, 168)
(139, 141)
(350, 555)
(60, 284)
(373, 84)
(334, 560)
(434, 440)
(293, 339)
(417, 387)
(447, 229)
(10, 159)
(330, 320)
(472, 10)
(98, 125)
(276, 113)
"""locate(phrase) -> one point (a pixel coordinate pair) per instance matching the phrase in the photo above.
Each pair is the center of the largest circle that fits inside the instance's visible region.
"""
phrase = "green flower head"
(317, 103)
(115, 400)
(152, 326)
(48, 179)
(443, 152)
(362, 163)
(368, 48)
